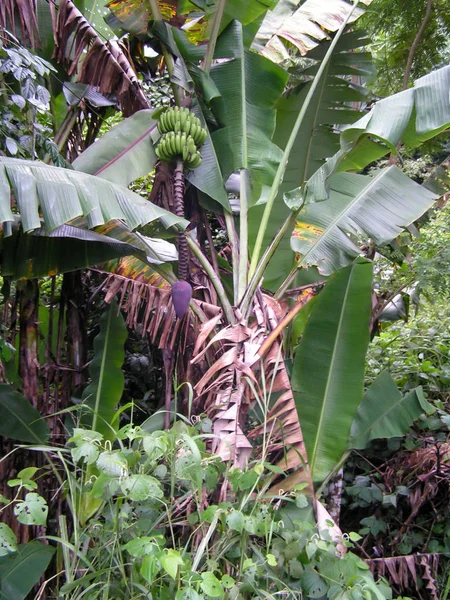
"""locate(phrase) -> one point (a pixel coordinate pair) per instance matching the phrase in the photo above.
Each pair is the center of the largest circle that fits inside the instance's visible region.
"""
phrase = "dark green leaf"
(328, 373)
(20, 571)
(19, 420)
(385, 412)
(249, 85)
(105, 391)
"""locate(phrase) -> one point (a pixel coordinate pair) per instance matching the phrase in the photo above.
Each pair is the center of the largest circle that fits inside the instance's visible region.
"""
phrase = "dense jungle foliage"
(224, 354)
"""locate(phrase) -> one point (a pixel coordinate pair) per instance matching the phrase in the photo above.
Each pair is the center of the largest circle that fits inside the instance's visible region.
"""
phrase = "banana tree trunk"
(28, 340)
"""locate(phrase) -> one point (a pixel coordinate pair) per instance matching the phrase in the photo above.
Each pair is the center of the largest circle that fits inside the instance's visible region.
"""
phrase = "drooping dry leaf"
(304, 26)
(403, 572)
(23, 12)
(105, 65)
(230, 384)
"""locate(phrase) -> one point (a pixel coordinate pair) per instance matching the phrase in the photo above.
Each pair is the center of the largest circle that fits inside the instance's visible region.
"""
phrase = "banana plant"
(280, 150)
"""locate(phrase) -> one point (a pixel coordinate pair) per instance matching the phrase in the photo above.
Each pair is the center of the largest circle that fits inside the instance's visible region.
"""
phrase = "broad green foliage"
(249, 86)
(105, 391)
(358, 207)
(328, 371)
(140, 486)
(124, 153)
(19, 420)
(412, 116)
(385, 413)
(20, 571)
(318, 138)
(65, 249)
(63, 195)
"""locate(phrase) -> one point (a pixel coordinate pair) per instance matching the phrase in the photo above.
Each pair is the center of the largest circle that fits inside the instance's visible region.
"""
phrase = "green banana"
(177, 143)
(190, 143)
(182, 137)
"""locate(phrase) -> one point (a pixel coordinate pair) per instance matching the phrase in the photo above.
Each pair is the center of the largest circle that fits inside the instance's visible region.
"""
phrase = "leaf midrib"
(319, 437)
(322, 238)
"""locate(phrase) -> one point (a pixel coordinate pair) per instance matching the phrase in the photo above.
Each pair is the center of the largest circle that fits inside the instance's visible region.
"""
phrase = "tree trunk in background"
(28, 340)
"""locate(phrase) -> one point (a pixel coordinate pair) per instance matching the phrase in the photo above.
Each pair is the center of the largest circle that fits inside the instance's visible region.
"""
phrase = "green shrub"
(157, 516)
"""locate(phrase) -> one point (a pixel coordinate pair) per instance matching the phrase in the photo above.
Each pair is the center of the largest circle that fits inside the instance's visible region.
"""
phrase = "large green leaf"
(318, 138)
(362, 206)
(18, 419)
(303, 26)
(95, 12)
(208, 177)
(20, 571)
(385, 412)
(328, 373)
(412, 116)
(124, 153)
(105, 390)
(249, 85)
(153, 250)
(62, 195)
(66, 248)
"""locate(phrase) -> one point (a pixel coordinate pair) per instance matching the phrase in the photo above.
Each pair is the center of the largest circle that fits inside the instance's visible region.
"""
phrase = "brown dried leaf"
(105, 65)
(24, 12)
(224, 361)
(205, 330)
(429, 577)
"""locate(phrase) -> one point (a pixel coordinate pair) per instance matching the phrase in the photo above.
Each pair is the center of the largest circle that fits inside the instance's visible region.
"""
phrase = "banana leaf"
(361, 207)
(21, 570)
(328, 371)
(124, 153)
(66, 248)
(250, 86)
(318, 138)
(63, 195)
(19, 420)
(105, 390)
(385, 413)
(412, 116)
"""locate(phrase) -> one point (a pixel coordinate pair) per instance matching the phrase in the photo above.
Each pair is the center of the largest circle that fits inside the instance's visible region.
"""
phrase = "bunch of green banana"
(182, 137)
(173, 146)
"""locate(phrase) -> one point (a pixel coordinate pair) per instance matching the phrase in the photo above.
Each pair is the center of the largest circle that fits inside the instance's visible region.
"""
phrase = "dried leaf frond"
(105, 65)
(13, 12)
(403, 572)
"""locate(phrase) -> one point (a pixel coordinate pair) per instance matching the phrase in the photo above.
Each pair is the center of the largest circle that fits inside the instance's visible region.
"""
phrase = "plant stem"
(243, 235)
(217, 19)
(283, 163)
(66, 127)
(269, 252)
(157, 16)
(229, 222)
(415, 44)
(284, 323)
(178, 193)
(286, 283)
(215, 280)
